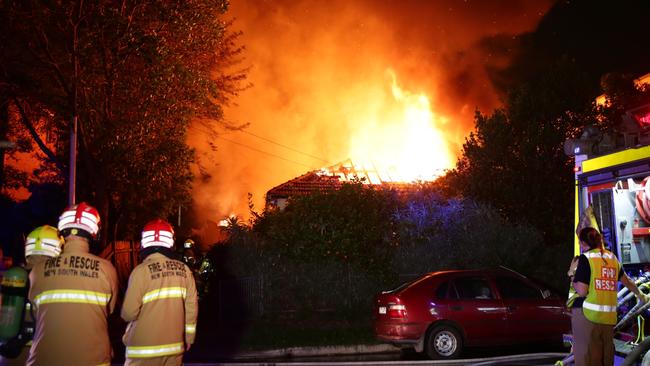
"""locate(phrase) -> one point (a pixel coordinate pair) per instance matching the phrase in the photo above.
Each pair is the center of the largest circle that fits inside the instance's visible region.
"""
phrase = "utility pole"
(72, 176)
(73, 124)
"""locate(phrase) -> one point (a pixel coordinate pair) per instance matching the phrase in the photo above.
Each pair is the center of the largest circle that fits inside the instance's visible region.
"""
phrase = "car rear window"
(407, 284)
(514, 288)
(472, 288)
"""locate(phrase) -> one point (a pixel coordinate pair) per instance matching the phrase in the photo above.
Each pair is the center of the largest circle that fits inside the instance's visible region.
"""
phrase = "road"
(544, 355)
(538, 359)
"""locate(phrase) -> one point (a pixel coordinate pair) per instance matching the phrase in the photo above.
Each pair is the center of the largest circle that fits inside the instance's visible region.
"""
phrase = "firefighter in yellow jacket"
(42, 243)
(160, 303)
(593, 312)
(72, 296)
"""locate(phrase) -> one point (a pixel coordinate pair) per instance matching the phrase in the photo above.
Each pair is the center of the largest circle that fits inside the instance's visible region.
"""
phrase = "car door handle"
(456, 307)
(512, 308)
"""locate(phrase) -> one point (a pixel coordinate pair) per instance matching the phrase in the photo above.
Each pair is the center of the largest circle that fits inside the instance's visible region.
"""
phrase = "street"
(484, 356)
(541, 359)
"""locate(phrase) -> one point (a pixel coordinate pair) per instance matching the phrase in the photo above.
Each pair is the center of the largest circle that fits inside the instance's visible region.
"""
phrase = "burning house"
(332, 178)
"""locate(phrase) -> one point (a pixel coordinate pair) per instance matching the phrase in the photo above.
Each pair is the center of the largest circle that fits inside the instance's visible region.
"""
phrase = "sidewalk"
(316, 351)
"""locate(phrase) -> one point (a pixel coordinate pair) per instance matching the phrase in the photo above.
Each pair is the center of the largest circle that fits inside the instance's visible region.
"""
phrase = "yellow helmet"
(44, 240)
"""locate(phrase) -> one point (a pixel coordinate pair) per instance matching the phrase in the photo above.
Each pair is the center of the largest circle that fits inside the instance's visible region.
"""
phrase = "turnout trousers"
(174, 360)
(593, 344)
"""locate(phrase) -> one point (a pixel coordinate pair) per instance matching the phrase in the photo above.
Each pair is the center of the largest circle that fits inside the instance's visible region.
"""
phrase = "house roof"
(305, 184)
(331, 178)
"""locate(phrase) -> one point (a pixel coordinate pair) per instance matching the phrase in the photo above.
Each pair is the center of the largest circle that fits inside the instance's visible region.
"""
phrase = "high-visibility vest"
(573, 295)
(600, 304)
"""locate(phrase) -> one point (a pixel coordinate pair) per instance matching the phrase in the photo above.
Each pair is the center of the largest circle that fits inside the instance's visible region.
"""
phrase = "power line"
(263, 152)
(287, 147)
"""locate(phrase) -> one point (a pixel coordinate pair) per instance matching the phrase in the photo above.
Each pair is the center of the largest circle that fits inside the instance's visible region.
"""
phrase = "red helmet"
(157, 233)
(82, 216)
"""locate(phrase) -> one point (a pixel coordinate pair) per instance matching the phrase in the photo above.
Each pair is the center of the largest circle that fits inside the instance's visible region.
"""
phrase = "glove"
(645, 298)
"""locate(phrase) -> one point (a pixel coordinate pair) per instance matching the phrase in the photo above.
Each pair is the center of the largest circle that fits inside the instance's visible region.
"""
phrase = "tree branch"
(32, 131)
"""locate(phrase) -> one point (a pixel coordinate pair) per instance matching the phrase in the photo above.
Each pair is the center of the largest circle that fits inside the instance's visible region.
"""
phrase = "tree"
(514, 160)
(351, 225)
(136, 74)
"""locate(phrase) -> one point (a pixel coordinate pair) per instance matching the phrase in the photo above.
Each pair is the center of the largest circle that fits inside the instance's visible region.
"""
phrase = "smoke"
(317, 66)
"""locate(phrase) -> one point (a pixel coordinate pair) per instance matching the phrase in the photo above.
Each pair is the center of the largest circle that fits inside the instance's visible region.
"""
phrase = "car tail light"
(396, 311)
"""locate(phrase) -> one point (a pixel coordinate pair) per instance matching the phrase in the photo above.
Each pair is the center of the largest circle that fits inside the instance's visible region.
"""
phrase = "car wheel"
(443, 342)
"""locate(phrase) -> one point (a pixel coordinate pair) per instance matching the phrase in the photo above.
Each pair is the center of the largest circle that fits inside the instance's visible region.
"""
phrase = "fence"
(124, 255)
(257, 296)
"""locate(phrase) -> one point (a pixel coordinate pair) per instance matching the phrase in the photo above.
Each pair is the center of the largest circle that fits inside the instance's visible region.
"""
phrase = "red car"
(442, 312)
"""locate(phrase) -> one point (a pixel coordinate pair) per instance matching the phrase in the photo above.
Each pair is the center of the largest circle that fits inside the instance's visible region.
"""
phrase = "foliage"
(382, 238)
(328, 251)
(351, 225)
(460, 233)
(623, 95)
(136, 74)
(514, 159)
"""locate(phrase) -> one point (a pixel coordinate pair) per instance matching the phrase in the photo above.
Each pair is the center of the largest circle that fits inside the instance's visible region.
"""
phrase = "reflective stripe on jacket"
(600, 304)
(161, 307)
(72, 296)
(573, 295)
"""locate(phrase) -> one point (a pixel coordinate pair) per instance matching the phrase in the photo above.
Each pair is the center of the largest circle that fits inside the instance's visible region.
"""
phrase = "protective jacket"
(161, 307)
(600, 304)
(72, 296)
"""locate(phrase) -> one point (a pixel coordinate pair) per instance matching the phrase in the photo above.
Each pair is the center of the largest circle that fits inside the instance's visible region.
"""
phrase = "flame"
(402, 142)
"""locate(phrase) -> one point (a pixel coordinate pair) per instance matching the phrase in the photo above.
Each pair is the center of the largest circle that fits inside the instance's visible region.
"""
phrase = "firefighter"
(72, 296)
(573, 295)
(593, 312)
(189, 257)
(42, 243)
(160, 303)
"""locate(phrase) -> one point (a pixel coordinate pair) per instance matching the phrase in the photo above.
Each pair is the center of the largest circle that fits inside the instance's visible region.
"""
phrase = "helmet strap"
(77, 232)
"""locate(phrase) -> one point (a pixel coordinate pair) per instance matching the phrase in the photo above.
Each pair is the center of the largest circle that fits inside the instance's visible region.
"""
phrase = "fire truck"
(612, 179)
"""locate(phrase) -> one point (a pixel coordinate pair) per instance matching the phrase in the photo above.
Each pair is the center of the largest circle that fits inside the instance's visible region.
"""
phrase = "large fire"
(402, 141)
(320, 94)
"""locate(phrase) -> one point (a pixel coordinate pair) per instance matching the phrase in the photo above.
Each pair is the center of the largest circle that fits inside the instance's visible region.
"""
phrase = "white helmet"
(157, 233)
(82, 216)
